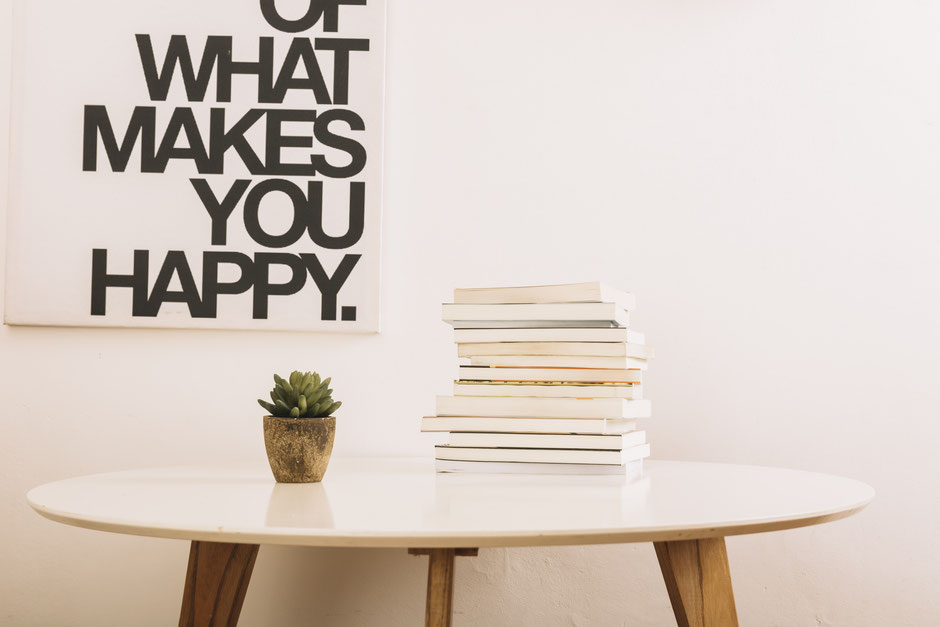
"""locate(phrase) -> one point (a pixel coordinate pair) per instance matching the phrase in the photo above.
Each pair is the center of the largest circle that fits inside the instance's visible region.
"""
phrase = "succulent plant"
(302, 395)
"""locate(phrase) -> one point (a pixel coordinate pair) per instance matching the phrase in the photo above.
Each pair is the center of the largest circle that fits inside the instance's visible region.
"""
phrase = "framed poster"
(211, 164)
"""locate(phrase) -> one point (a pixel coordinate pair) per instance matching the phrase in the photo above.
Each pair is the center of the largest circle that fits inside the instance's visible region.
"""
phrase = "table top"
(400, 502)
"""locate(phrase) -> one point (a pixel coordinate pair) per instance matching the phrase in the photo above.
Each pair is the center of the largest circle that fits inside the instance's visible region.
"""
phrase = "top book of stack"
(580, 305)
(594, 292)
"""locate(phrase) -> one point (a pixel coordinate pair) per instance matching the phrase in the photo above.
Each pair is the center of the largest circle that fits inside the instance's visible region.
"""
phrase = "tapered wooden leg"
(439, 610)
(440, 604)
(698, 580)
(216, 582)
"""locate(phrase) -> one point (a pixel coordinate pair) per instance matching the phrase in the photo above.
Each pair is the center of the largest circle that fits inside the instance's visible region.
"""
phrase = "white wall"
(763, 175)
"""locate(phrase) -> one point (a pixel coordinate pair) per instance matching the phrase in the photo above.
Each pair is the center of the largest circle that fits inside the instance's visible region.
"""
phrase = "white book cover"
(549, 334)
(542, 456)
(590, 375)
(496, 406)
(548, 390)
(547, 312)
(631, 470)
(487, 424)
(622, 321)
(209, 164)
(594, 349)
(547, 440)
(565, 293)
(558, 361)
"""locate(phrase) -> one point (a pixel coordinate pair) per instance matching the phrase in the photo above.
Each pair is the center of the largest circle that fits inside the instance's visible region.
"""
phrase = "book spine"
(568, 312)
(481, 424)
(584, 375)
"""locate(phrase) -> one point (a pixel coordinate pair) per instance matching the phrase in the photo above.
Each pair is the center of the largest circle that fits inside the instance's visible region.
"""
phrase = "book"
(558, 314)
(550, 382)
(535, 324)
(594, 291)
(548, 390)
(558, 361)
(613, 442)
(523, 406)
(599, 426)
(600, 375)
(549, 334)
(541, 456)
(630, 470)
(599, 349)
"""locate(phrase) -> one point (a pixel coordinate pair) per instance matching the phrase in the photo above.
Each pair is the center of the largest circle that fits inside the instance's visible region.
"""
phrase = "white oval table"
(686, 509)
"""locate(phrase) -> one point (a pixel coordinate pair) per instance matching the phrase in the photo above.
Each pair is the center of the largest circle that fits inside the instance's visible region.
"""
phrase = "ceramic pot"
(299, 448)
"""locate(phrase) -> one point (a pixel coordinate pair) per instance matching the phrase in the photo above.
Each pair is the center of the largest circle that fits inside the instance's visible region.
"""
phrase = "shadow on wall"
(335, 587)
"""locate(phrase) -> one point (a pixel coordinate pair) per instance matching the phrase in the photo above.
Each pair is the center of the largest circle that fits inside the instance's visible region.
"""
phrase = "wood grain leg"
(216, 582)
(439, 610)
(698, 580)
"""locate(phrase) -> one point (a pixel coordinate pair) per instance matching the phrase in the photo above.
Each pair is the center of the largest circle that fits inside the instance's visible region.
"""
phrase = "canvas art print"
(211, 164)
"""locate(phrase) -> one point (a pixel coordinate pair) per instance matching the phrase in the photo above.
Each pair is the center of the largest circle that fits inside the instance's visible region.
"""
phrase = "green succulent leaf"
(301, 395)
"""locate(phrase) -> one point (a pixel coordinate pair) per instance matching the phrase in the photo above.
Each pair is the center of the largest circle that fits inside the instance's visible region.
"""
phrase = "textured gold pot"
(299, 448)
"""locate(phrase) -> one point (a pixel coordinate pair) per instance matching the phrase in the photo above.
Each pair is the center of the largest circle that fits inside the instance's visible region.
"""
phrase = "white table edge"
(452, 539)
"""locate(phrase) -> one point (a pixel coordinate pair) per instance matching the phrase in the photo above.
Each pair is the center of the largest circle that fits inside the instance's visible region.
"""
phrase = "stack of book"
(553, 383)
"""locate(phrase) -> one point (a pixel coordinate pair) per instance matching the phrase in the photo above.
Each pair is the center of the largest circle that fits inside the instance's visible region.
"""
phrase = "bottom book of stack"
(543, 453)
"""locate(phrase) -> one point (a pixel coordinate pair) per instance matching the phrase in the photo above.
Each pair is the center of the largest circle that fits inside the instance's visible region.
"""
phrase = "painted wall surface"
(762, 175)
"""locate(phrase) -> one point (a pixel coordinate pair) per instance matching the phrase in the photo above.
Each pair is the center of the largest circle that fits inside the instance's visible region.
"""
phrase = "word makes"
(207, 148)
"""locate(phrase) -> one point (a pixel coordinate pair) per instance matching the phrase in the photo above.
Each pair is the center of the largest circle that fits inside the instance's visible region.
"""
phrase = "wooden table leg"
(440, 603)
(216, 582)
(439, 610)
(698, 580)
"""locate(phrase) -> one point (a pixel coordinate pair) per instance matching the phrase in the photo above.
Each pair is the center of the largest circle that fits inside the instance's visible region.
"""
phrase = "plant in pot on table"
(300, 427)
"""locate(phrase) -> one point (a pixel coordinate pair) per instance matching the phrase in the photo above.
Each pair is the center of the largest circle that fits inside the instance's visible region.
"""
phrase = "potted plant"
(299, 427)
